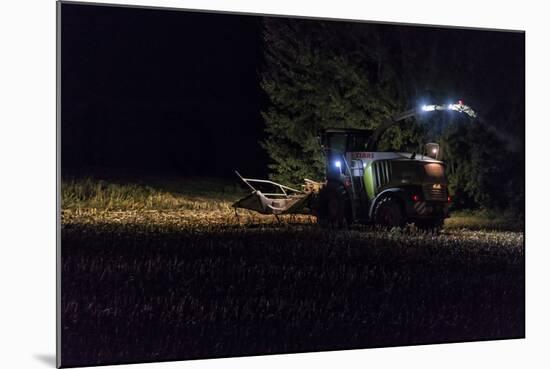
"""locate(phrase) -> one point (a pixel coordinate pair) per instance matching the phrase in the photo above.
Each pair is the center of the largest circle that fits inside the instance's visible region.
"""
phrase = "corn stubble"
(155, 283)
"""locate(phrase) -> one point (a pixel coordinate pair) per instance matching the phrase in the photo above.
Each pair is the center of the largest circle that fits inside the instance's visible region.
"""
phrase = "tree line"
(320, 74)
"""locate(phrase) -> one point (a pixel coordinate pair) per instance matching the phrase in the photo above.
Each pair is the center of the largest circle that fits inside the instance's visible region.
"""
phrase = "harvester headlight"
(338, 164)
(459, 107)
(432, 150)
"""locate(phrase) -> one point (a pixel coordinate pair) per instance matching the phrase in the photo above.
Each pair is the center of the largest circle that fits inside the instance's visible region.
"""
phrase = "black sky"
(154, 90)
(176, 91)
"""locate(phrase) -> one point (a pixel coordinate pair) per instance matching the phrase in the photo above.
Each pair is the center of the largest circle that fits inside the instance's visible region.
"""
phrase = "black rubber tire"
(334, 207)
(389, 213)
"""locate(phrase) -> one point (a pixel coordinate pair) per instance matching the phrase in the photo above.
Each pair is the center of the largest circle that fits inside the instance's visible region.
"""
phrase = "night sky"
(155, 90)
(160, 91)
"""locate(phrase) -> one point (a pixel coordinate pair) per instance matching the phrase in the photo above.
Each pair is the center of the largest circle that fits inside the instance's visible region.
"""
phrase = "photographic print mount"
(413, 235)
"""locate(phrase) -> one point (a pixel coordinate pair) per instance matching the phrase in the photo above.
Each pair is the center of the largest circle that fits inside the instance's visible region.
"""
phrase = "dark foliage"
(322, 74)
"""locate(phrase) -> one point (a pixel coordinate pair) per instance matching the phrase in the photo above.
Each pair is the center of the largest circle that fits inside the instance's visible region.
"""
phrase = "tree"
(320, 74)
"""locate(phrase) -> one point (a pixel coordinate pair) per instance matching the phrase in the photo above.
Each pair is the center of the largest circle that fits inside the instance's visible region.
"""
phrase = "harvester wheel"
(389, 213)
(334, 207)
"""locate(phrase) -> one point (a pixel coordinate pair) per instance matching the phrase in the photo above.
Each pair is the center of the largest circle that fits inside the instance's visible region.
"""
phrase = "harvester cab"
(386, 188)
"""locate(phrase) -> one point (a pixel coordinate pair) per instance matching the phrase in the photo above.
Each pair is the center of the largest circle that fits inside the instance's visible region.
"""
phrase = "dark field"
(159, 283)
